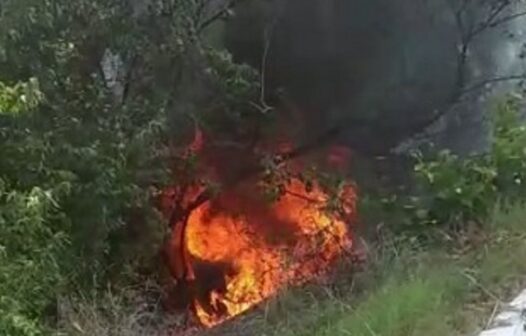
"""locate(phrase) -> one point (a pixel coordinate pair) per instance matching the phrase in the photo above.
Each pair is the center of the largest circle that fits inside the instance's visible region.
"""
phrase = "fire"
(233, 251)
(260, 247)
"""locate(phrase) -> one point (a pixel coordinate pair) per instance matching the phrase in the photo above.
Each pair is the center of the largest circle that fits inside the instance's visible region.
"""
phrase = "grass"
(129, 312)
(406, 291)
(435, 292)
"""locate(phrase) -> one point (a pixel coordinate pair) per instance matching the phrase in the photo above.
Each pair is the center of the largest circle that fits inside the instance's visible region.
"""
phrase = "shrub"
(451, 191)
(32, 239)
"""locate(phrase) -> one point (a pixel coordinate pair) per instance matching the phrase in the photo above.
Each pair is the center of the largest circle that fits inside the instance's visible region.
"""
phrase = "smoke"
(379, 67)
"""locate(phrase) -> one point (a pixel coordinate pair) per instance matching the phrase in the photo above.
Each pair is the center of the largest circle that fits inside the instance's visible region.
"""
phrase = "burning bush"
(232, 249)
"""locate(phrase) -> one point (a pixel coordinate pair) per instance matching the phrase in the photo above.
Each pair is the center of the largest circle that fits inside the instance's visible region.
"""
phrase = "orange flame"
(260, 248)
(237, 250)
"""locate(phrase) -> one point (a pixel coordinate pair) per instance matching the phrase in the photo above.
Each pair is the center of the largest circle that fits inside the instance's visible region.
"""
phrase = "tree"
(99, 103)
(329, 65)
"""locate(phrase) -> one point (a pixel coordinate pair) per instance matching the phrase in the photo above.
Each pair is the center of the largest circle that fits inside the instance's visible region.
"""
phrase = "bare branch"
(468, 34)
(489, 21)
(217, 15)
(264, 107)
(507, 19)
(484, 83)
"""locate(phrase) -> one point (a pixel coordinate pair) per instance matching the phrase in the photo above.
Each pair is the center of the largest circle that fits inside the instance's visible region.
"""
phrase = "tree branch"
(279, 160)
(217, 15)
(494, 80)
(468, 34)
(264, 107)
(489, 21)
(507, 19)
(342, 126)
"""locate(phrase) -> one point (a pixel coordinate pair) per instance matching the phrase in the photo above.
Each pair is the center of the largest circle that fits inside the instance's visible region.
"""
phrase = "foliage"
(19, 98)
(31, 241)
(80, 164)
(453, 192)
(71, 163)
(31, 235)
(80, 161)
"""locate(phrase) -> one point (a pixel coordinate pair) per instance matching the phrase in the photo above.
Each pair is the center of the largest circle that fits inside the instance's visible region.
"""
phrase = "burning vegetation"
(231, 251)
(260, 248)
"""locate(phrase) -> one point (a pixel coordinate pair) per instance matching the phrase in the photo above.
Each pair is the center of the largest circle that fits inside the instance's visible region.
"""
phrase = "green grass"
(390, 311)
(406, 291)
(437, 292)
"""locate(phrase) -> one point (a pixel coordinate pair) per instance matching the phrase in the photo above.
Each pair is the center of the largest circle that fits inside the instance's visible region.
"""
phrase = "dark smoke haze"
(380, 68)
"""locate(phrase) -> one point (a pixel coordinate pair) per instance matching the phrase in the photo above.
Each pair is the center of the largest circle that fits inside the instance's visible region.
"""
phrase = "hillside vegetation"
(85, 153)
